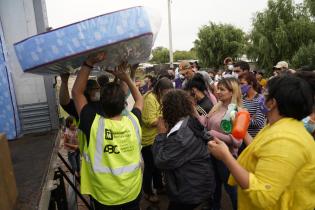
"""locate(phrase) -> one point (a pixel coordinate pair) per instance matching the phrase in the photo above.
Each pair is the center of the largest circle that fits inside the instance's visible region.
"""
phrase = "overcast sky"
(187, 15)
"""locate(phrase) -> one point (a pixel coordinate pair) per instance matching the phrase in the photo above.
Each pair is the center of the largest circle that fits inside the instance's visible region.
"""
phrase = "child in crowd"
(71, 144)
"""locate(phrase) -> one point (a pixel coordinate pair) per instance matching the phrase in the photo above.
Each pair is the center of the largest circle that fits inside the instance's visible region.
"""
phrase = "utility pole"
(170, 34)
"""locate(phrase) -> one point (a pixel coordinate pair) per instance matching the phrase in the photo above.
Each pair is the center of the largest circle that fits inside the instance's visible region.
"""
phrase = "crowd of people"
(178, 138)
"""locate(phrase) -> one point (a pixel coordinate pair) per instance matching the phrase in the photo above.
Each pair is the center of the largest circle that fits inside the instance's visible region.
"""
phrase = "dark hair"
(91, 83)
(152, 79)
(165, 74)
(294, 94)
(161, 85)
(197, 65)
(197, 82)
(251, 80)
(112, 99)
(102, 80)
(176, 104)
(261, 73)
(69, 121)
(243, 65)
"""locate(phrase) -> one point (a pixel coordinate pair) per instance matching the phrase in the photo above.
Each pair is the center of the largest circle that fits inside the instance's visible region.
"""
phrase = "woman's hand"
(218, 149)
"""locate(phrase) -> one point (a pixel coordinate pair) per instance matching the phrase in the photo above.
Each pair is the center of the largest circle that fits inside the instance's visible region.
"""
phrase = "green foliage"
(305, 56)
(278, 32)
(160, 55)
(216, 42)
(184, 55)
(311, 5)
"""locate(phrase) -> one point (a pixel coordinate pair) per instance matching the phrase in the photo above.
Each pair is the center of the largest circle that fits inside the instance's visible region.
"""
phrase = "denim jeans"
(74, 159)
(151, 172)
(221, 176)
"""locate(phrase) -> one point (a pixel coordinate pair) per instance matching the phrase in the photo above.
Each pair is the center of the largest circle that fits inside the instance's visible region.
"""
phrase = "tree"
(305, 56)
(278, 33)
(184, 55)
(160, 55)
(216, 42)
(311, 5)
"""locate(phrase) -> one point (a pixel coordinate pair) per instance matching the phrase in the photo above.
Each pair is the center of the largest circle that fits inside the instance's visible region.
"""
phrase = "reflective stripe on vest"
(97, 166)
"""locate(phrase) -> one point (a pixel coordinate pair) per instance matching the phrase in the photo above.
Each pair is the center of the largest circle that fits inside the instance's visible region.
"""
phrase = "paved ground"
(31, 155)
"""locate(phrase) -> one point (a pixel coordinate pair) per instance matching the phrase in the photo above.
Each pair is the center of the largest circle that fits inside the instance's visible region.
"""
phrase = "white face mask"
(230, 67)
(235, 75)
(181, 76)
(96, 97)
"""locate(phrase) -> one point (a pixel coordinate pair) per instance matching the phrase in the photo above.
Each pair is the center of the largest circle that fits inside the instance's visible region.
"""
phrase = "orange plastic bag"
(241, 124)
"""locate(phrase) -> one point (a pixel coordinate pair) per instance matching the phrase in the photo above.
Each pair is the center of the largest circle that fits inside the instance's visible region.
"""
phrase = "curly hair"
(176, 104)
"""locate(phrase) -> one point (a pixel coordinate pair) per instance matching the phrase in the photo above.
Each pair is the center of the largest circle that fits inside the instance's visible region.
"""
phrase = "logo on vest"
(108, 134)
(111, 149)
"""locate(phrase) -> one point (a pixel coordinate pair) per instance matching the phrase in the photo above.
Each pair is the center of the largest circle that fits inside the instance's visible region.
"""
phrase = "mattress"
(125, 35)
(9, 119)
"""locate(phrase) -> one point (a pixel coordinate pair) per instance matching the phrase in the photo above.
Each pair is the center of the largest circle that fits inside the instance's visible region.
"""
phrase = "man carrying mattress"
(110, 171)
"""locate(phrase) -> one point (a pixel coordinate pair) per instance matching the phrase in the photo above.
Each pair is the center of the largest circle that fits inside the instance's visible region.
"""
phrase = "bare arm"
(240, 174)
(122, 75)
(248, 139)
(78, 88)
(64, 97)
(72, 146)
(219, 150)
(80, 83)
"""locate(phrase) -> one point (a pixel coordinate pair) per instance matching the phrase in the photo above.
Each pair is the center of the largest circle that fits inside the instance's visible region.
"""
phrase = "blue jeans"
(221, 177)
(74, 159)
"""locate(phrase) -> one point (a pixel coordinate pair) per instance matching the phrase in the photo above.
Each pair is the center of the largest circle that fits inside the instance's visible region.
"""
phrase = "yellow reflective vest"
(111, 171)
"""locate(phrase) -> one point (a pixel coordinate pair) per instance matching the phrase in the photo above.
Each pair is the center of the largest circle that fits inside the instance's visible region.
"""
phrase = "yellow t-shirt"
(281, 163)
(150, 113)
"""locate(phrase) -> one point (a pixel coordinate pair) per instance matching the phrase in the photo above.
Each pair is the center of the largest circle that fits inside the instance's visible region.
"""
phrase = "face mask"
(182, 77)
(263, 108)
(309, 126)
(230, 67)
(96, 97)
(245, 89)
(234, 74)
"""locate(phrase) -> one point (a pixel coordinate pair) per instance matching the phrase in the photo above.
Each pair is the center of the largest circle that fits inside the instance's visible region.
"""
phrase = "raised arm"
(64, 97)
(120, 72)
(80, 83)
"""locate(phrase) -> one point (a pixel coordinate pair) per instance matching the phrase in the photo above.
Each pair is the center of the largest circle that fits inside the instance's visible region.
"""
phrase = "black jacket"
(184, 157)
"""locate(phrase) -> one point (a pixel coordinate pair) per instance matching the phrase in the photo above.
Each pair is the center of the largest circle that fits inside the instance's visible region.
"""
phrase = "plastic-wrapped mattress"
(125, 35)
(9, 118)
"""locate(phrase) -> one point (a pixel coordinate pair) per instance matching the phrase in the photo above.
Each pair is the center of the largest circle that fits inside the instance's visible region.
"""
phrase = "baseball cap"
(281, 64)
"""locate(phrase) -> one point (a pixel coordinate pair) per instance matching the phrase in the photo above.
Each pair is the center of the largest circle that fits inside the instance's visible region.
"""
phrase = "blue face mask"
(245, 89)
(310, 127)
(263, 108)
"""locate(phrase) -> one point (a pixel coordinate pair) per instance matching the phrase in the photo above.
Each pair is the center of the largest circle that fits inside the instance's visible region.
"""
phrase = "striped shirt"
(258, 119)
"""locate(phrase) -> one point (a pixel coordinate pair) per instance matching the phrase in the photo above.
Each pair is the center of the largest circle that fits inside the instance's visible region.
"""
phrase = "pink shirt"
(213, 127)
(72, 138)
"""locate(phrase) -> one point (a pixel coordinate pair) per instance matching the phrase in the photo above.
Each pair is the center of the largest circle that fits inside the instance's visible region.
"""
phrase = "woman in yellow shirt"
(277, 170)
(150, 115)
